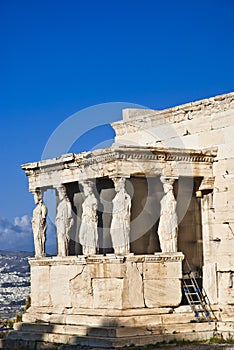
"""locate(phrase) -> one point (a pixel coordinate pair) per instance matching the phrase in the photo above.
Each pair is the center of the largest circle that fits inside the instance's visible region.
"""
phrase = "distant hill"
(18, 254)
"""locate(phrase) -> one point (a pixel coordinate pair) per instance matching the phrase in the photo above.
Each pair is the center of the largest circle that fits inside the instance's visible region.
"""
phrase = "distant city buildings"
(14, 282)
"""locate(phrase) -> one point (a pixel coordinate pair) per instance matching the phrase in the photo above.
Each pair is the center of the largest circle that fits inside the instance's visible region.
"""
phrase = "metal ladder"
(197, 298)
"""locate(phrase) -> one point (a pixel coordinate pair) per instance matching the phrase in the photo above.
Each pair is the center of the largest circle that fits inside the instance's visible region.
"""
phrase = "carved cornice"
(110, 258)
(49, 165)
(164, 257)
(104, 157)
(148, 154)
(125, 154)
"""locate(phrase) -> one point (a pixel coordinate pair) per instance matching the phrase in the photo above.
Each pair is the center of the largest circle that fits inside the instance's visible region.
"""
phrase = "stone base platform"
(122, 330)
(38, 336)
(107, 282)
(109, 302)
(108, 331)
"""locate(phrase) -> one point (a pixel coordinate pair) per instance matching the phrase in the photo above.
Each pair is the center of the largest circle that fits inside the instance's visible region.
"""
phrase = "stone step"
(102, 312)
(152, 330)
(85, 330)
(118, 332)
(225, 327)
(48, 340)
(50, 328)
(139, 340)
(40, 337)
(109, 321)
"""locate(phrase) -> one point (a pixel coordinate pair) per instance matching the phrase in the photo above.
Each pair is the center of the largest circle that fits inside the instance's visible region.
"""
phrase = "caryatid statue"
(39, 224)
(88, 234)
(64, 221)
(120, 224)
(168, 223)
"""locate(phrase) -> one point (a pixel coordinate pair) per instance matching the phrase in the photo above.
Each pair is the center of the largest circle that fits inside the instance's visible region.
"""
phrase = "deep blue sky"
(58, 57)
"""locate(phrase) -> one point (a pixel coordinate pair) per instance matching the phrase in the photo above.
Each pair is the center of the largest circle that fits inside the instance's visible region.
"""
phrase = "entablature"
(120, 161)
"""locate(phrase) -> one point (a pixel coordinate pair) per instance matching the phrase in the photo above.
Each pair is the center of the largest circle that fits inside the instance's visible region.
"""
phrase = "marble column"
(121, 213)
(64, 221)
(168, 223)
(88, 234)
(39, 224)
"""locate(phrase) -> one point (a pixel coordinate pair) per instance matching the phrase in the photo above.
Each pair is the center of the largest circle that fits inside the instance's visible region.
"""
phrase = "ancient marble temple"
(132, 220)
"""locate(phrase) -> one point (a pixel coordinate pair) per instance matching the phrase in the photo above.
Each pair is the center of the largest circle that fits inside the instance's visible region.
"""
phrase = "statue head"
(87, 187)
(167, 187)
(37, 196)
(167, 183)
(62, 193)
(119, 183)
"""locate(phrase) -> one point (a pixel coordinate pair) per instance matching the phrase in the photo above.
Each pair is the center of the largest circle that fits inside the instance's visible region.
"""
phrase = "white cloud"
(23, 221)
(18, 236)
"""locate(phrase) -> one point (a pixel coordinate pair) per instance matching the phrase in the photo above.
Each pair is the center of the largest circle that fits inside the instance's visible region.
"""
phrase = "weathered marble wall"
(200, 125)
(110, 282)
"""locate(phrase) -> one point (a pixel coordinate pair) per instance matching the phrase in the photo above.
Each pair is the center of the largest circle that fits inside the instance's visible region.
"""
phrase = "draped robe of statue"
(88, 235)
(168, 223)
(64, 222)
(39, 226)
(120, 224)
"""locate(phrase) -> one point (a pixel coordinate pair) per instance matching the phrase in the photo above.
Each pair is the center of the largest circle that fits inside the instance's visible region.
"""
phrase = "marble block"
(107, 282)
